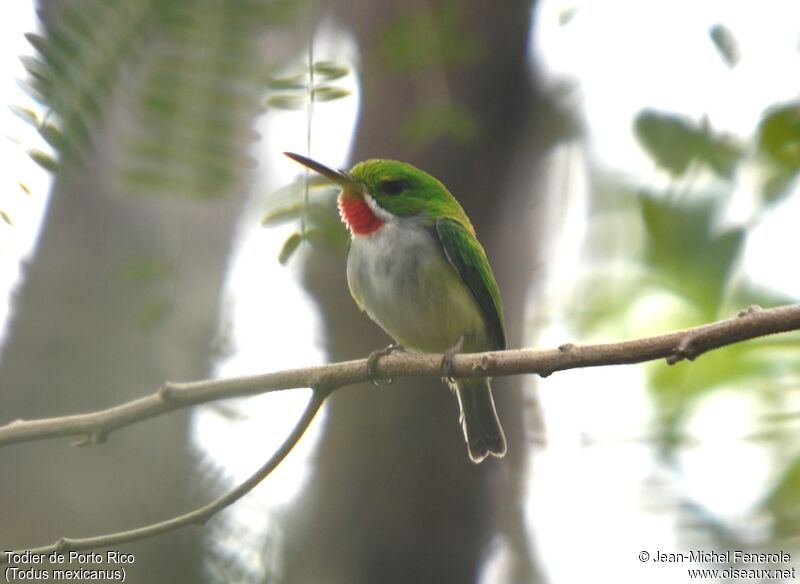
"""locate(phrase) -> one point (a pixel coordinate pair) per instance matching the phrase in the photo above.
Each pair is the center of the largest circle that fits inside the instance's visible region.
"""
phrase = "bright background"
(627, 458)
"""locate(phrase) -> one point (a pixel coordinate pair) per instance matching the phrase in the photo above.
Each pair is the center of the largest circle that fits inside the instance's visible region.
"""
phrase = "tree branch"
(688, 344)
(198, 516)
(95, 426)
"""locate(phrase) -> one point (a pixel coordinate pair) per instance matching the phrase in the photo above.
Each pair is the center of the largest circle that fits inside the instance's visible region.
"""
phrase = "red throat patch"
(357, 215)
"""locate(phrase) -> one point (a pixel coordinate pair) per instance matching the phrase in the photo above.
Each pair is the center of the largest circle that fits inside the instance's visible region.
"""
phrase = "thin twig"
(688, 344)
(198, 516)
(310, 89)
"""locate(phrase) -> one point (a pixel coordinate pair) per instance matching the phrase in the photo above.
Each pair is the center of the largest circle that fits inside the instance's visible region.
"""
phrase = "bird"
(417, 269)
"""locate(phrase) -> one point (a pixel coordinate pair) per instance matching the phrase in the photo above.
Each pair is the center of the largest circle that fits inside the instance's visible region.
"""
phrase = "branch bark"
(94, 427)
(687, 344)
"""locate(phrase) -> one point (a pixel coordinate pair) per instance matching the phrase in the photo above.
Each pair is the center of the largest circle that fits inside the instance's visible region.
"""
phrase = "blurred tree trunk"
(121, 296)
(92, 329)
(394, 497)
(123, 292)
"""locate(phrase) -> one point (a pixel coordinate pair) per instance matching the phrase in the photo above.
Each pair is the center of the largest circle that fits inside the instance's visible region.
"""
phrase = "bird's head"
(377, 191)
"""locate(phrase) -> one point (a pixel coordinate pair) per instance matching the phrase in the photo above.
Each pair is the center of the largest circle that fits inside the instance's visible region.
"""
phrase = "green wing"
(468, 258)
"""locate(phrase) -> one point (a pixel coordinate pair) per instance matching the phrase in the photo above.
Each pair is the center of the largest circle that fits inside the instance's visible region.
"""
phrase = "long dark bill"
(336, 176)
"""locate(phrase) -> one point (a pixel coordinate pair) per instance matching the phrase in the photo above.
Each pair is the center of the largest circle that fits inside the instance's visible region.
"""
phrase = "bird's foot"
(447, 359)
(374, 357)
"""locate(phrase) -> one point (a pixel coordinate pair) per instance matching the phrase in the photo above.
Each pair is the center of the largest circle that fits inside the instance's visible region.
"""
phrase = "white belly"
(401, 278)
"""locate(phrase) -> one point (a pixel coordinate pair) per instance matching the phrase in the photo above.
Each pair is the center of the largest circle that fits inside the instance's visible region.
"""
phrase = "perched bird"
(417, 269)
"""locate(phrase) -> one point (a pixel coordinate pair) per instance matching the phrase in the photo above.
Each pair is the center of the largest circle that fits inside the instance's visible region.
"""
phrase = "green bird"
(417, 269)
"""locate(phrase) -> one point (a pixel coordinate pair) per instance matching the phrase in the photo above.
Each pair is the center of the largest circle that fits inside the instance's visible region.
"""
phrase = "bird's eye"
(392, 187)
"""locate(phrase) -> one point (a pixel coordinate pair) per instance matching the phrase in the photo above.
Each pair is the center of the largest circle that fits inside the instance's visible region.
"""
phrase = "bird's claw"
(447, 359)
(374, 357)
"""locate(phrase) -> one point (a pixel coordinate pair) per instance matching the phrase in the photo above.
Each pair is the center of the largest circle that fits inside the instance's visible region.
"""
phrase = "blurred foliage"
(6, 217)
(428, 123)
(427, 42)
(431, 37)
(685, 251)
(314, 210)
(725, 43)
(424, 37)
(675, 142)
(783, 503)
(319, 224)
(670, 256)
(153, 275)
(293, 91)
(689, 268)
(183, 70)
(144, 268)
(779, 149)
(79, 59)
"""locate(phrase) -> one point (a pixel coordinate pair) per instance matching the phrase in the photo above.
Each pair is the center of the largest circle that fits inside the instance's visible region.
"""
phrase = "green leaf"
(28, 115)
(722, 155)
(330, 70)
(282, 215)
(53, 136)
(293, 82)
(675, 141)
(296, 85)
(40, 84)
(686, 251)
(779, 135)
(779, 150)
(289, 247)
(776, 185)
(723, 40)
(44, 160)
(668, 139)
(45, 48)
(329, 93)
(287, 101)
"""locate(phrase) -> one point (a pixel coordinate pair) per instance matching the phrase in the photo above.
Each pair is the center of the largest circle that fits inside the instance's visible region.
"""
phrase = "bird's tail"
(482, 429)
